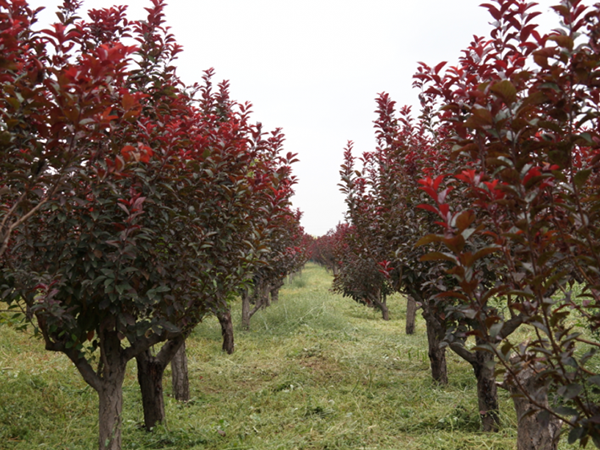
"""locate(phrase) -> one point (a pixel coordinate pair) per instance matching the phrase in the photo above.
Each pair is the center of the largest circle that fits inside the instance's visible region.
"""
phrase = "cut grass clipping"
(316, 371)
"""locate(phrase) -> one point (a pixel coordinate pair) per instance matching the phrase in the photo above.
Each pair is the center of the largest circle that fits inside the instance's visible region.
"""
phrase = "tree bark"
(246, 310)
(385, 312)
(274, 295)
(110, 406)
(263, 295)
(227, 330)
(437, 354)
(487, 391)
(179, 375)
(110, 392)
(150, 375)
(532, 434)
(275, 291)
(411, 313)
(107, 380)
(379, 301)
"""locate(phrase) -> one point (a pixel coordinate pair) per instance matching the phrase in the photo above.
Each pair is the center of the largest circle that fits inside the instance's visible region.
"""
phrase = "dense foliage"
(287, 251)
(505, 156)
(328, 250)
(521, 110)
(132, 205)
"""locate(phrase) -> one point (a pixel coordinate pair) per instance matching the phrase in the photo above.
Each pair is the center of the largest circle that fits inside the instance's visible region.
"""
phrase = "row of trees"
(485, 210)
(132, 205)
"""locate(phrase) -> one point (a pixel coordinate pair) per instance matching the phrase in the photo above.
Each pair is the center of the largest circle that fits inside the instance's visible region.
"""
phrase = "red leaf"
(428, 239)
(496, 14)
(427, 207)
(128, 152)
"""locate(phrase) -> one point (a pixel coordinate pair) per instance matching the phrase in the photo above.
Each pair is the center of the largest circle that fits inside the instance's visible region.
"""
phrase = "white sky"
(314, 68)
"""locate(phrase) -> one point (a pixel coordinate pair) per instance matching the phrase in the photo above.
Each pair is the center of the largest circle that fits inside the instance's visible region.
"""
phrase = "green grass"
(315, 372)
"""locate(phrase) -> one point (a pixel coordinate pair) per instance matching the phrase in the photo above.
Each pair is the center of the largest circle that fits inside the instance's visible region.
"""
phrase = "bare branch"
(461, 351)
(6, 235)
(510, 326)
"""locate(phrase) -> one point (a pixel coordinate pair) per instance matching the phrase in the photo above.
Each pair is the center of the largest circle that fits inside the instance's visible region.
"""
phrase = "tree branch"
(82, 364)
(143, 343)
(171, 347)
(461, 351)
(255, 310)
(85, 369)
(510, 326)
(6, 236)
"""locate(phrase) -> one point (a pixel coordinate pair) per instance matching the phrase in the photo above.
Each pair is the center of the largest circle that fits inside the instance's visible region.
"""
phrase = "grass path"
(315, 372)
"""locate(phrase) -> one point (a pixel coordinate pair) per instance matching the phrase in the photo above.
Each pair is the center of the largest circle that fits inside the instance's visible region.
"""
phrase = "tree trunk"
(385, 312)
(246, 310)
(263, 293)
(110, 392)
(110, 407)
(107, 380)
(179, 375)
(150, 374)
(275, 291)
(227, 330)
(411, 313)
(532, 434)
(274, 295)
(487, 391)
(380, 303)
(437, 354)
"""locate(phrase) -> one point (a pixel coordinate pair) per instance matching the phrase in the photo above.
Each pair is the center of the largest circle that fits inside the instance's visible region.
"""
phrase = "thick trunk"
(487, 391)
(107, 380)
(179, 375)
(150, 374)
(437, 354)
(110, 407)
(411, 313)
(110, 392)
(532, 434)
(385, 312)
(227, 330)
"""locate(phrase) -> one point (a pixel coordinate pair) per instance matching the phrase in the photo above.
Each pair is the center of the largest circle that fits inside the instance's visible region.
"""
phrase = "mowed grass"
(316, 371)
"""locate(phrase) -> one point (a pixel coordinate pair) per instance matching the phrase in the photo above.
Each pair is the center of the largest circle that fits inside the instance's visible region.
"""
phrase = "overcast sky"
(314, 68)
